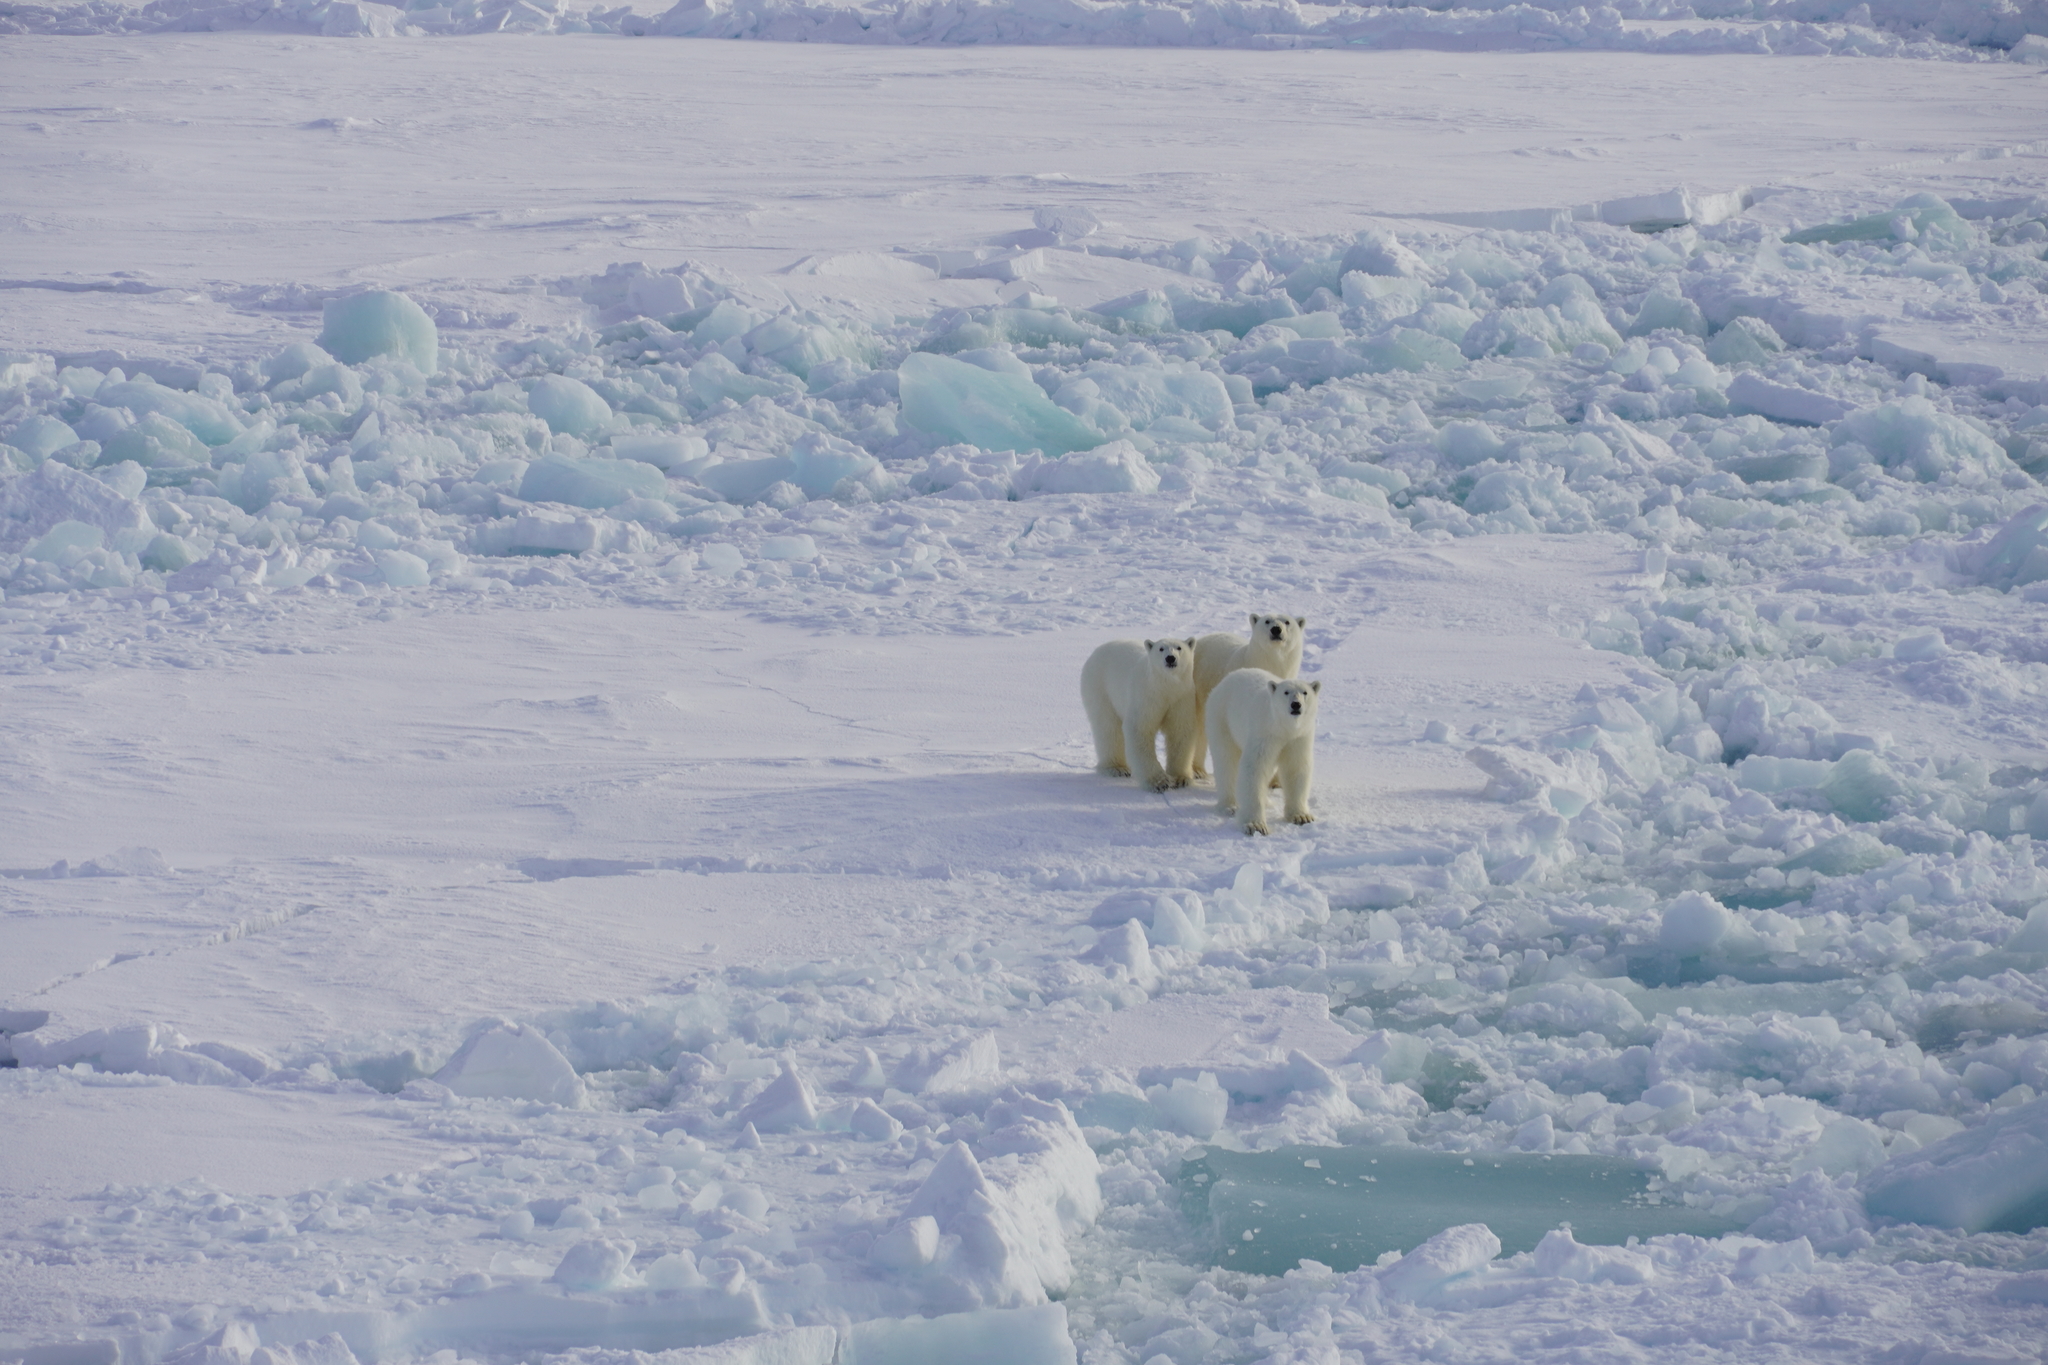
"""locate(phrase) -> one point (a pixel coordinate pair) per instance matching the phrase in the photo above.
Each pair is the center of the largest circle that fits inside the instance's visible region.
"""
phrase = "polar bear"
(1275, 646)
(1133, 690)
(1260, 727)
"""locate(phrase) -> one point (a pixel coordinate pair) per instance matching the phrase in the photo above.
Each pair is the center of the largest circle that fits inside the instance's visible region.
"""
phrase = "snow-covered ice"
(544, 811)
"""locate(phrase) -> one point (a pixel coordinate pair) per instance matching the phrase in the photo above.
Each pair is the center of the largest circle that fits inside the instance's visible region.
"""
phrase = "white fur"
(1218, 656)
(1134, 690)
(1262, 727)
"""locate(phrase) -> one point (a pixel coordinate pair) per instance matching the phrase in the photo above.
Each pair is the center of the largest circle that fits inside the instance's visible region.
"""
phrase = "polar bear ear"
(1316, 687)
(1148, 644)
(1301, 621)
(1191, 642)
(1255, 618)
(1273, 686)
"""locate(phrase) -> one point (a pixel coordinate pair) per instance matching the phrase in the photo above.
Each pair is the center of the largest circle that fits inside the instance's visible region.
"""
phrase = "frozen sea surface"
(542, 809)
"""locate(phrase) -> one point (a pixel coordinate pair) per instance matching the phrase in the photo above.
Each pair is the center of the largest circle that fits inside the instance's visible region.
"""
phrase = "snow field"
(627, 781)
(1160, 144)
(1891, 28)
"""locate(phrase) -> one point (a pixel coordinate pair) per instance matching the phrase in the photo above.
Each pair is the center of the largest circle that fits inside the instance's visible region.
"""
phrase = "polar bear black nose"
(1173, 661)
(1294, 707)
(1277, 632)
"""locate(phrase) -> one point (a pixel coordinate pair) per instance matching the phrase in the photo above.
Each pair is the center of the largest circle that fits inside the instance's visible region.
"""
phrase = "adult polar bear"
(1260, 727)
(1275, 645)
(1133, 690)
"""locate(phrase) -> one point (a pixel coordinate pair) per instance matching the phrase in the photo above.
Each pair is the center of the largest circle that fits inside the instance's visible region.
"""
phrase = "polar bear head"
(1278, 631)
(1177, 657)
(1295, 700)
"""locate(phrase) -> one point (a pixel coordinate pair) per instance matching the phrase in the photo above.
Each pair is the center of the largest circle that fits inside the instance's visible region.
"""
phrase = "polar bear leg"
(1198, 755)
(1254, 770)
(1297, 771)
(1108, 731)
(1182, 738)
(1141, 750)
(1228, 757)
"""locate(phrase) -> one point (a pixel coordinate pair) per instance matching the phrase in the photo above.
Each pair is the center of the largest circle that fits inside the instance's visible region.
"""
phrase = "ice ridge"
(1899, 28)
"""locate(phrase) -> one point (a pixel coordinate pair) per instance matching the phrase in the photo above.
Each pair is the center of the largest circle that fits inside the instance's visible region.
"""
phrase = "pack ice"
(1749, 932)
(1889, 28)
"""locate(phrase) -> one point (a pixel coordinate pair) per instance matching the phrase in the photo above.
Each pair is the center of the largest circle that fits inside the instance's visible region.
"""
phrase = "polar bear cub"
(1275, 645)
(1260, 727)
(1134, 690)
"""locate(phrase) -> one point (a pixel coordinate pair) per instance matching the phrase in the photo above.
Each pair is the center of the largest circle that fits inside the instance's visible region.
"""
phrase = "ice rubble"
(1590, 377)
(1792, 967)
(1991, 1178)
(1805, 27)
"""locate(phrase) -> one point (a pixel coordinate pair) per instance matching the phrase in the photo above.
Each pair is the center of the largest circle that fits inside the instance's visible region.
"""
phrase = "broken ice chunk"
(1450, 1255)
(569, 406)
(1991, 1178)
(591, 483)
(1269, 1210)
(995, 409)
(909, 1245)
(784, 1106)
(42, 437)
(1196, 1107)
(598, 1263)
(380, 323)
(512, 1061)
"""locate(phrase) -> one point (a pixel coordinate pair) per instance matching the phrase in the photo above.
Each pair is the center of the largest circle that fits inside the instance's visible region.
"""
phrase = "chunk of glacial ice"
(784, 1106)
(1468, 443)
(594, 483)
(1990, 1178)
(125, 477)
(380, 322)
(401, 568)
(1449, 1255)
(2031, 936)
(65, 542)
(820, 462)
(1118, 467)
(1694, 923)
(989, 1336)
(569, 406)
(299, 358)
(716, 377)
(2018, 554)
(1912, 438)
(1270, 1210)
(1752, 393)
(1745, 340)
(596, 1263)
(1196, 1107)
(42, 437)
(910, 1245)
(957, 400)
(744, 481)
(328, 1350)
(213, 423)
(661, 450)
(512, 1061)
(723, 559)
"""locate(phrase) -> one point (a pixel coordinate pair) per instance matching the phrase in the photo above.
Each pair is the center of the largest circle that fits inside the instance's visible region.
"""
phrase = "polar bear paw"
(1114, 770)
(1301, 818)
(1252, 827)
